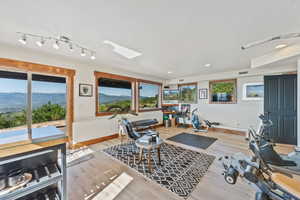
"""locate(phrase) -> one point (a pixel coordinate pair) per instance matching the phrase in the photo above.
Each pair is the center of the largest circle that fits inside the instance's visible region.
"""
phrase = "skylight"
(123, 51)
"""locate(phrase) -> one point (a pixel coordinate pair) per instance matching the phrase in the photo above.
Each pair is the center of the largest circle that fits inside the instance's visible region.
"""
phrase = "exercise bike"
(280, 162)
(200, 125)
(268, 184)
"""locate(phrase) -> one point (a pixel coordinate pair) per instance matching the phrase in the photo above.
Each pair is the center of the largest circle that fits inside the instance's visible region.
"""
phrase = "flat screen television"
(170, 95)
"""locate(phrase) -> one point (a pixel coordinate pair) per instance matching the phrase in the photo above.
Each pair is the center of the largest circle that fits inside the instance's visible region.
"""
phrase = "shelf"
(169, 105)
(27, 148)
(43, 177)
(48, 193)
(169, 112)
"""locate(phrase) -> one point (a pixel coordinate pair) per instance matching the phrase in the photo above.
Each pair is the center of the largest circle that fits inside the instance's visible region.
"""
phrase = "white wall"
(86, 125)
(237, 116)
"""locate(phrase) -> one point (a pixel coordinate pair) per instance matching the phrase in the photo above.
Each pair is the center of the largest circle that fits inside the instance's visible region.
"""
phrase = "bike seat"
(286, 183)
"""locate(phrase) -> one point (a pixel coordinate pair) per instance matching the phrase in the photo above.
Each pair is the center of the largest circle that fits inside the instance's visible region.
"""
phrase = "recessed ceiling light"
(123, 51)
(170, 72)
(280, 46)
(207, 65)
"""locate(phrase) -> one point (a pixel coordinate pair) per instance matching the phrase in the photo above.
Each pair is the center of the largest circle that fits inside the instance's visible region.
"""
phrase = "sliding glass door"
(48, 106)
(13, 107)
(32, 107)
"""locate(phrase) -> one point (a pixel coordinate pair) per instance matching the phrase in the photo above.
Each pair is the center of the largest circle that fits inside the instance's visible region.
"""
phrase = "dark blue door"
(280, 104)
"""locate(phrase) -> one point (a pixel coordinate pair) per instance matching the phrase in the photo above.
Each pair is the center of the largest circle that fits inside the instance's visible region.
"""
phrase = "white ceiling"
(173, 35)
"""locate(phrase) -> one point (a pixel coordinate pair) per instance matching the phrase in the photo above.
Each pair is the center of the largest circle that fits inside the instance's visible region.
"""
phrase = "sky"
(20, 86)
(147, 91)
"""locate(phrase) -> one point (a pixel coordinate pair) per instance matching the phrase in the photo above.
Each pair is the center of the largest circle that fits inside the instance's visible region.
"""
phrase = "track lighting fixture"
(23, 39)
(93, 56)
(278, 37)
(83, 52)
(40, 42)
(57, 42)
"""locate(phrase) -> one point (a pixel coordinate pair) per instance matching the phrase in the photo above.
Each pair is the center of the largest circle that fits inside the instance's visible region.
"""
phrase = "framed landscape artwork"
(253, 91)
(85, 90)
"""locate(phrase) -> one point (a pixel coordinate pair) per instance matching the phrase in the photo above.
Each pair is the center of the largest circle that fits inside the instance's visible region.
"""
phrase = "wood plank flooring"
(92, 176)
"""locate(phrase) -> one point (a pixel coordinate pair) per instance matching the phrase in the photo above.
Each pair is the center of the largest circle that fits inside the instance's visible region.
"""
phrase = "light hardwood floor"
(93, 175)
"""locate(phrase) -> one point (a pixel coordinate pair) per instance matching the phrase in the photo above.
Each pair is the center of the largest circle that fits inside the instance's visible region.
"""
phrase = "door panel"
(280, 104)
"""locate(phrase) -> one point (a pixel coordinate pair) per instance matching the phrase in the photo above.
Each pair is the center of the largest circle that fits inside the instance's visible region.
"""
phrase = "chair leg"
(149, 161)
(158, 155)
(141, 155)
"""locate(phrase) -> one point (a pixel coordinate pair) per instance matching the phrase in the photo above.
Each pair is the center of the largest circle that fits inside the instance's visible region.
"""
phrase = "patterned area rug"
(181, 169)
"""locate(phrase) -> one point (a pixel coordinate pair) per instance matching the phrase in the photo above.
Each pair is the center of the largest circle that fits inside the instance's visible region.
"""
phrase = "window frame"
(188, 84)
(139, 81)
(234, 99)
(99, 75)
(34, 68)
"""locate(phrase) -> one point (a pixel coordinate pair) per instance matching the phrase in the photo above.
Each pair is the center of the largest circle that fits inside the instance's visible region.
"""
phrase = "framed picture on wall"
(223, 91)
(253, 91)
(85, 90)
(203, 93)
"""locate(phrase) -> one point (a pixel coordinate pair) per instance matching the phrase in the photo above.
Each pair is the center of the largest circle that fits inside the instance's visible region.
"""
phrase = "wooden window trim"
(51, 70)
(135, 91)
(188, 84)
(116, 77)
(234, 101)
(138, 95)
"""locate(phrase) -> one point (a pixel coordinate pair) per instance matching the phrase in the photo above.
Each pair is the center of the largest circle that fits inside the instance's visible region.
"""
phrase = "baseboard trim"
(230, 131)
(94, 141)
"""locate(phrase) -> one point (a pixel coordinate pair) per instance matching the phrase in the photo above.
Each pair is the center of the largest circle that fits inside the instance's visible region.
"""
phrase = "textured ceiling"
(172, 35)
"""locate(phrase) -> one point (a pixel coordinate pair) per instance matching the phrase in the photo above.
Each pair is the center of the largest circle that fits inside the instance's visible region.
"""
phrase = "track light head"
(83, 52)
(40, 42)
(71, 48)
(56, 44)
(93, 55)
(23, 39)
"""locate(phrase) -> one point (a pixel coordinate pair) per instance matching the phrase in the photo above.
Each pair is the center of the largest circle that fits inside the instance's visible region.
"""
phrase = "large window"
(122, 93)
(223, 91)
(149, 96)
(114, 93)
(32, 106)
(188, 93)
(48, 105)
(13, 107)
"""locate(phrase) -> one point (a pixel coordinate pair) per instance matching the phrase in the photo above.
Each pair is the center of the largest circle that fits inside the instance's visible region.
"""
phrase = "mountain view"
(48, 107)
(105, 99)
(16, 102)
